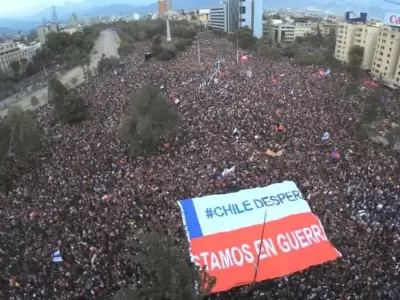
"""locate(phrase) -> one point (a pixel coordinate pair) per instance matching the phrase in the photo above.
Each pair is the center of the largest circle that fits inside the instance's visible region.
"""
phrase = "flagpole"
(237, 50)
(259, 251)
(198, 49)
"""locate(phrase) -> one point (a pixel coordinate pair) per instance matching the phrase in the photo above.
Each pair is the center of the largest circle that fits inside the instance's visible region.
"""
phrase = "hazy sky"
(10, 8)
(23, 8)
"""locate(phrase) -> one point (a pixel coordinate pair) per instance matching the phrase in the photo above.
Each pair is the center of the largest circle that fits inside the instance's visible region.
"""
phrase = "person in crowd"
(83, 202)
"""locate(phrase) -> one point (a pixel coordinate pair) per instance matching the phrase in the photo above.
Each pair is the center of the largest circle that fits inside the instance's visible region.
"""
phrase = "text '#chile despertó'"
(249, 205)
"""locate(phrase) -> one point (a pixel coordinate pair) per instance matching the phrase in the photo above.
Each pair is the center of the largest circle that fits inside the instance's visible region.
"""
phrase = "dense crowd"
(61, 205)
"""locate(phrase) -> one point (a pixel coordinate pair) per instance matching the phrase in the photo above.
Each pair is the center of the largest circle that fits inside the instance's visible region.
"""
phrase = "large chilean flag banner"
(225, 233)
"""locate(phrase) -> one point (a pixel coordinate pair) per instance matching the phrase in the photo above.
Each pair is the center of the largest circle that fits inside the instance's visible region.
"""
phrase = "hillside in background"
(375, 9)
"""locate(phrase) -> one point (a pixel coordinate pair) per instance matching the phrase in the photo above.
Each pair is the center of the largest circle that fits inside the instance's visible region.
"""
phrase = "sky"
(26, 8)
(9, 8)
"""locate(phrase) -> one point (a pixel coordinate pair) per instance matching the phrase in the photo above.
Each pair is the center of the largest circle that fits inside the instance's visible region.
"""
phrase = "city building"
(218, 18)
(11, 51)
(44, 30)
(203, 16)
(73, 20)
(328, 28)
(344, 41)
(232, 15)
(71, 29)
(28, 52)
(357, 34)
(250, 15)
(164, 6)
(366, 37)
(386, 64)
(304, 29)
(282, 32)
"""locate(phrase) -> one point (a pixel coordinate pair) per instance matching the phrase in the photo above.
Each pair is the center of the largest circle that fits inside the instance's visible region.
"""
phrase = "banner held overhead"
(224, 233)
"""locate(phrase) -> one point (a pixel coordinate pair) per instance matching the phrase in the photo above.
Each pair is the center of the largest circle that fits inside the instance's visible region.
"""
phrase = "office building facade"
(357, 34)
(218, 18)
(164, 6)
(44, 30)
(386, 63)
(250, 15)
(366, 36)
(11, 51)
(344, 41)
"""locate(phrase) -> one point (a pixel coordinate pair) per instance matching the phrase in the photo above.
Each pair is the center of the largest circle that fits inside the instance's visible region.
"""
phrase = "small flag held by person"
(324, 72)
(335, 155)
(325, 136)
(56, 257)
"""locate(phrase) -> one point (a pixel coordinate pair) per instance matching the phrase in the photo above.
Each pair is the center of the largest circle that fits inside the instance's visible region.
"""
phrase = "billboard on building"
(392, 19)
(356, 17)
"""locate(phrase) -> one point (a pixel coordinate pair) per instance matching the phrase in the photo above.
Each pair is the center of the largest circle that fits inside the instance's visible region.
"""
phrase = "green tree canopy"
(16, 68)
(151, 117)
(19, 140)
(68, 106)
(106, 64)
(244, 37)
(169, 274)
(356, 55)
(56, 91)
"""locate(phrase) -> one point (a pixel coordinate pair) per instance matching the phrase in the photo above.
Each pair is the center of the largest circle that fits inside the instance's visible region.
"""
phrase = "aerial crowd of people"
(88, 195)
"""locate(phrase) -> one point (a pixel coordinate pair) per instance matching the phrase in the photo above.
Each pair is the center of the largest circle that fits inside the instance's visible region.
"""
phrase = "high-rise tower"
(54, 14)
(163, 7)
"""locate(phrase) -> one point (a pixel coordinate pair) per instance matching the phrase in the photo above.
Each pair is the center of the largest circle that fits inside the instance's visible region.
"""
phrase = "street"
(107, 44)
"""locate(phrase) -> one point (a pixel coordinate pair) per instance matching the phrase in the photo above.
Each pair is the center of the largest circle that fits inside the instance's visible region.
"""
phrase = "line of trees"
(61, 48)
(313, 49)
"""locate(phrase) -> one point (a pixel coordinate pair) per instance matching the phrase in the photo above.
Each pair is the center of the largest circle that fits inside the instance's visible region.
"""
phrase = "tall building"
(11, 51)
(328, 28)
(344, 41)
(232, 15)
(357, 34)
(44, 30)
(163, 7)
(218, 18)
(366, 37)
(250, 15)
(73, 20)
(386, 62)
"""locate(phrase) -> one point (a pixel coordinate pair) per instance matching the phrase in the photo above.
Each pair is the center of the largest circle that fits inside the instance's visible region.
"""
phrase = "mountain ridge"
(125, 7)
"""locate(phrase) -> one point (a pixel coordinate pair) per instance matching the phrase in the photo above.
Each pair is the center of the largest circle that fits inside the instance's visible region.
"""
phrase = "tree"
(157, 39)
(68, 106)
(34, 101)
(19, 140)
(356, 55)
(168, 272)
(56, 91)
(58, 42)
(244, 37)
(373, 111)
(156, 45)
(166, 54)
(6, 83)
(72, 110)
(106, 64)
(151, 117)
(182, 44)
(16, 68)
(290, 50)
